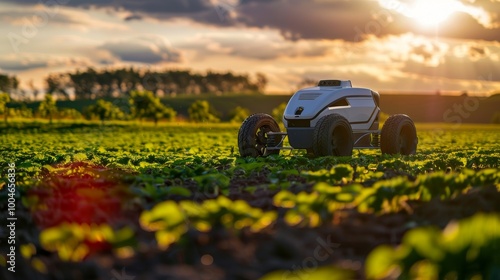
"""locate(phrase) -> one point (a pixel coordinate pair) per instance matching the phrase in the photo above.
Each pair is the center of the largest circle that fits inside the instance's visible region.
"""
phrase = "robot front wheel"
(253, 137)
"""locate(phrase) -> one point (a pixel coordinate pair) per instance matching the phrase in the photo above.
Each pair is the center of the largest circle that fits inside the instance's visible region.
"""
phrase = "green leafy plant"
(170, 220)
(4, 100)
(104, 110)
(466, 249)
(338, 174)
(238, 114)
(48, 107)
(145, 105)
(201, 111)
(75, 242)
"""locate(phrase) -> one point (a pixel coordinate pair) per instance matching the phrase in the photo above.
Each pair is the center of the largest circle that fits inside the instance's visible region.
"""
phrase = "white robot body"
(307, 106)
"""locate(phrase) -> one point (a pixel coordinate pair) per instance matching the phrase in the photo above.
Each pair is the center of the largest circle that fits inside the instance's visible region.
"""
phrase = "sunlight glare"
(431, 13)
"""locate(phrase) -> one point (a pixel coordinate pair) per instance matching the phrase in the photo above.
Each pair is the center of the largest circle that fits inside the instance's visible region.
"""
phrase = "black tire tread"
(247, 130)
(321, 138)
(390, 134)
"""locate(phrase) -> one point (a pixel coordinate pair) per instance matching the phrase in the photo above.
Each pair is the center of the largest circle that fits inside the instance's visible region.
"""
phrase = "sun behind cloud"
(431, 12)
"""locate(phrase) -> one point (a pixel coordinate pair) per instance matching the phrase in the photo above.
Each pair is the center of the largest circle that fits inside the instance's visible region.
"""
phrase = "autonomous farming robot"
(330, 119)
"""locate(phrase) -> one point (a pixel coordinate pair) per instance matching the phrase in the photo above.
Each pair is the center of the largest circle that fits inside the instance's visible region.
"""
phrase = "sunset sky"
(387, 45)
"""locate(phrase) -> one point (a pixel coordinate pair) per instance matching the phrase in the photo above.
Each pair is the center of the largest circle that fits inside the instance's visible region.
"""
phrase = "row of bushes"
(142, 105)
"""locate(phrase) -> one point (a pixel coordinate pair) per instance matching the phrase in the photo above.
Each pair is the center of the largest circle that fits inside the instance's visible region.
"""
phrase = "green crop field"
(132, 201)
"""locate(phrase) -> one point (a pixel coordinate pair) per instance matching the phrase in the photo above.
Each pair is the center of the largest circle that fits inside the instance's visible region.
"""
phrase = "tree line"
(93, 84)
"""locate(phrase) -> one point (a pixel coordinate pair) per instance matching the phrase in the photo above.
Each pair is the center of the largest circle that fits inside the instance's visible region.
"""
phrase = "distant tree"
(21, 95)
(48, 107)
(69, 113)
(57, 85)
(22, 112)
(201, 111)
(238, 114)
(4, 100)
(496, 118)
(145, 105)
(103, 110)
(84, 83)
(33, 89)
(8, 83)
(261, 82)
(127, 80)
(278, 112)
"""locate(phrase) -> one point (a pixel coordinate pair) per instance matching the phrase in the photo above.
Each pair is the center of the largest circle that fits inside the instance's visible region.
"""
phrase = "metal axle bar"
(279, 148)
(277, 133)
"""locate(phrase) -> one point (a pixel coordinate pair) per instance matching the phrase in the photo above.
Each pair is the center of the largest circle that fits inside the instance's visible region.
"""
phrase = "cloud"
(388, 79)
(39, 16)
(411, 62)
(153, 7)
(428, 53)
(19, 63)
(485, 11)
(143, 49)
(7, 64)
(438, 59)
(460, 25)
(305, 19)
(253, 45)
(458, 68)
(432, 12)
(132, 17)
